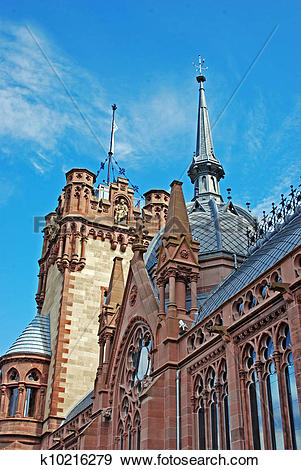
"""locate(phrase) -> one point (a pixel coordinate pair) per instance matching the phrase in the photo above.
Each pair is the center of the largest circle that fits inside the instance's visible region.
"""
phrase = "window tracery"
(135, 377)
(271, 390)
(212, 408)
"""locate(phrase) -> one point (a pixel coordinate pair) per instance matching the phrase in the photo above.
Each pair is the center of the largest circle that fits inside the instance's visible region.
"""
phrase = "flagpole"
(114, 107)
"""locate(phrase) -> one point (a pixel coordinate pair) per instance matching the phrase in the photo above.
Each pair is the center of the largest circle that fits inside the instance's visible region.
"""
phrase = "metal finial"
(229, 194)
(248, 206)
(199, 67)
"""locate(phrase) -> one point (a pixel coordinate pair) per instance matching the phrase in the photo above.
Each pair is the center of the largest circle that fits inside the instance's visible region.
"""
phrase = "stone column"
(193, 293)
(172, 291)
(75, 255)
(181, 295)
(3, 401)
(83, 249)
(41, 402)
(161, 285)
(294, 320)
(245, 408)
(235, 405)
(221, 421)
(21, 401)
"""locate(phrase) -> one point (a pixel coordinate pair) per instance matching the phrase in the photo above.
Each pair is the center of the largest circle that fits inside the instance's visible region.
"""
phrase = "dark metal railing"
(276, 217)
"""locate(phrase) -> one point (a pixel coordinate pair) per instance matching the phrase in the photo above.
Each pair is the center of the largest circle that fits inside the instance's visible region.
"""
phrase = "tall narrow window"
(276, 432)
(14, 394)
(138, 433)
(121, 437)
(213, 184)
(255, 416)
(227, 420)
(214, 423)
(293, 405)
(138, 438)
(30, 402)
(201, 426)
(255, 406)
(130, 438)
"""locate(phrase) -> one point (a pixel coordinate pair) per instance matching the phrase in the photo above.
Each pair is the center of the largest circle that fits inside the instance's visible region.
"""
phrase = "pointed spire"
(116, 286)
(205, 170)
(177, 222)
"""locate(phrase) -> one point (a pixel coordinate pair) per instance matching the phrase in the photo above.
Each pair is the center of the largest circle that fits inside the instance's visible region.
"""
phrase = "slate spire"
(205, 170)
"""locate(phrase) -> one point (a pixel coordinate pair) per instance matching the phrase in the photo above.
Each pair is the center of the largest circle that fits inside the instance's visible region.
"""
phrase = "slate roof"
(217, 226)
(84, 402)
(272, 249)
(35, 338)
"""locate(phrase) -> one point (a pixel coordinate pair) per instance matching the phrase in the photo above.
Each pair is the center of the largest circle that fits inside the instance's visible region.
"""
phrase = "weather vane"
(200, 66)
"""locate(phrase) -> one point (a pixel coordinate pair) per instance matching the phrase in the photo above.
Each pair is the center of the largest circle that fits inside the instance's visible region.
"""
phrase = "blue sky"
(137, 54)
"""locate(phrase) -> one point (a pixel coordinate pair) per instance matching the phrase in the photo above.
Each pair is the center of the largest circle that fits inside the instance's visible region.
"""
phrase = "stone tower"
(89, 229)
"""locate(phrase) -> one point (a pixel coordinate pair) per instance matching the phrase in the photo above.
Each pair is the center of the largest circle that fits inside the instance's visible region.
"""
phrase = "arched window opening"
(204, 183)
(13, 376)
(13, 403)
(121, 440)
(201, 426)
(213, 184)
(263, 291)
(274, 409)
(30, 400)
(293, 405)
(125, 407)
(138, 432)
(33, 376)
(129, 437)
(286, 342)
(227, 419)
(214, 423)
(255, 410)
(251, 357)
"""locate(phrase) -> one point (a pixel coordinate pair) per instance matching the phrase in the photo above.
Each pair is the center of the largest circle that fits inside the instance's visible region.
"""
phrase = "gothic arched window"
(291, 393)
(138, 432)
(135, 372)
(273, 399)
(13, 375)
(274, 408)
(201, 416)
(13, 403)
(214, 419)
(214, 422)
(30, 401)
(254, 398)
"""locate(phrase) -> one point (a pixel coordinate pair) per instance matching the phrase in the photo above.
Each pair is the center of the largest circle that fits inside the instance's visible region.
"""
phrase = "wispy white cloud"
(254, 136)
(38, 114)
(40, 119)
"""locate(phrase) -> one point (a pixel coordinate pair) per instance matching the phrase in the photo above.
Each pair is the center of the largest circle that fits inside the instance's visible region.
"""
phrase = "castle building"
(174, 326)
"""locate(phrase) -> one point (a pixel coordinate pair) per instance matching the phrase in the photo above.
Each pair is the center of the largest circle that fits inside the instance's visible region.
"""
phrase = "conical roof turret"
(205, 170)
(35, 338)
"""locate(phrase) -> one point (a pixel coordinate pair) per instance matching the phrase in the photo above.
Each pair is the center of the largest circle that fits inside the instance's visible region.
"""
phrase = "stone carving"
(121, 212)
(184, 254)
(133, 295)
(53, 227)
(107, 414)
